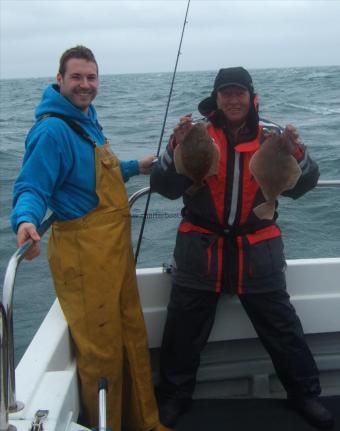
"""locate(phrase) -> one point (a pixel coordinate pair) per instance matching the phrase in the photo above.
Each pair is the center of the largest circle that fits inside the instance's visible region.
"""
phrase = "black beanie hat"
(231, 76)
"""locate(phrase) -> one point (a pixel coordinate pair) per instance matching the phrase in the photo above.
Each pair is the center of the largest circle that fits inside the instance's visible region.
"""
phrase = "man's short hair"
(78, 51)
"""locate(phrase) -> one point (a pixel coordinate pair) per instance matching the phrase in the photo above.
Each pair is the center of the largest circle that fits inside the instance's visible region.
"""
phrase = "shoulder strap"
(73, 124)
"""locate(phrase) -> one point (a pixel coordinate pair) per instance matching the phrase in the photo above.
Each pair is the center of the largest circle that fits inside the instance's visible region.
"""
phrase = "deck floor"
(250, 414)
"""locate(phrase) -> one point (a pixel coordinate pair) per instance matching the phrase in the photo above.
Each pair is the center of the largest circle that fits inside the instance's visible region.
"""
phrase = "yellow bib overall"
(92, 264)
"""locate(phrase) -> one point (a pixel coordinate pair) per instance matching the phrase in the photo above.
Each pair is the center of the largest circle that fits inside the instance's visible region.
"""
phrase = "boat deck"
(250, 414)
(236, 383)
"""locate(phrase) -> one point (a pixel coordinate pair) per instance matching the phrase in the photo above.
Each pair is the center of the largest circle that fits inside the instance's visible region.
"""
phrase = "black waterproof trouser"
(190, 318)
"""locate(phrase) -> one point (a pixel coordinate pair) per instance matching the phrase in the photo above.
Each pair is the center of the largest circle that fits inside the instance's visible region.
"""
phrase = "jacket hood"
(53, 101)
(232, 76)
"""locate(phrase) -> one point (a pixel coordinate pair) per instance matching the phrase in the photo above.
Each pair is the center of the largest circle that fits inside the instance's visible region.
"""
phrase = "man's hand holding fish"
(182, 129)
(291, 139)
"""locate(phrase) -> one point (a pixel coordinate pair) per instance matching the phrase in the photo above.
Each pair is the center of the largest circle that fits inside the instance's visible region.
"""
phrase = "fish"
(197, 157)
(275, 170)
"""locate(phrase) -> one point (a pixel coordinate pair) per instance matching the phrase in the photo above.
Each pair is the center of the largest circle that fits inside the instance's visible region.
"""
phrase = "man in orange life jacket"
(222, 246)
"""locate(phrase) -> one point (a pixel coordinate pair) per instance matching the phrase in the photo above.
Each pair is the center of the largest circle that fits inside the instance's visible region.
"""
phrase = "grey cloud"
(143, 36)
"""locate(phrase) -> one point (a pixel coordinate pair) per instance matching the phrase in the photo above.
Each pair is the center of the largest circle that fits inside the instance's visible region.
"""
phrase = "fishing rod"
(162, 133)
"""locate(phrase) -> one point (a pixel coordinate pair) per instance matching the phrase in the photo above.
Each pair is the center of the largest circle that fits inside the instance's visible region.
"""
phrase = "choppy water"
(131, 110)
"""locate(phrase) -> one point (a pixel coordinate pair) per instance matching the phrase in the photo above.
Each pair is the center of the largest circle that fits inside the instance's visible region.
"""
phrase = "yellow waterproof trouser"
(92, 264)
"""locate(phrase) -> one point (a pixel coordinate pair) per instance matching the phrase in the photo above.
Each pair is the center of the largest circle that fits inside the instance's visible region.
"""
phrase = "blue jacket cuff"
(129, 168)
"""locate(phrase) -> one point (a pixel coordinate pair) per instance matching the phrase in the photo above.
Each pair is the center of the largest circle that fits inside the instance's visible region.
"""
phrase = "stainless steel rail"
(328, 183)
(3, 370)
(142, 192)
(138, 194)
(8, 402)
(102, 391)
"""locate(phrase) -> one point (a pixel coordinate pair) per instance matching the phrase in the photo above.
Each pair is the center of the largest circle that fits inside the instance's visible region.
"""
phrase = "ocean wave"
(322, 110)
(317, 75)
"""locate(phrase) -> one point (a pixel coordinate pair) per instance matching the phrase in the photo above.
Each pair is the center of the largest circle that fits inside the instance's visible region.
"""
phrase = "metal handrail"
(328, 183)
(102, 416)
(8, 402)
(142, 192)
(138, 194)
(3, 370)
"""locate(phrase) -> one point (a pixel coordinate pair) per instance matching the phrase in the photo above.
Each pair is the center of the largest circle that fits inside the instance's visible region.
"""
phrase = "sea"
(131, 108)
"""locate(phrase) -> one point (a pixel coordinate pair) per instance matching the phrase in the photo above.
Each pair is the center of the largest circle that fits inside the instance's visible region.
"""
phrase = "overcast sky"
(143, 36)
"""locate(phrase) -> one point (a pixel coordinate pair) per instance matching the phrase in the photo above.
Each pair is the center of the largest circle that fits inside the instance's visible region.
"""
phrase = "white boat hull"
(234, 363)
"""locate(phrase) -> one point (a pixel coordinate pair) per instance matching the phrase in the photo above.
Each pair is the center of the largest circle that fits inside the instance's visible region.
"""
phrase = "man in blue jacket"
(69, 168)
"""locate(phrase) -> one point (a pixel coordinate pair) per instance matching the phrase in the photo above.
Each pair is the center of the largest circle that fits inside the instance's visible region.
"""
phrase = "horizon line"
(178, 71)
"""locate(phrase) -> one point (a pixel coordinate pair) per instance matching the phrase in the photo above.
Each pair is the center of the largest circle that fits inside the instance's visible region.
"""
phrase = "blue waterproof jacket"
(58, 169)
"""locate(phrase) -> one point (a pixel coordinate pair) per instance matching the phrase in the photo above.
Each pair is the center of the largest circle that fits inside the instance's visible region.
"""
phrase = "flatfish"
(275, 170)
(197, 156)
